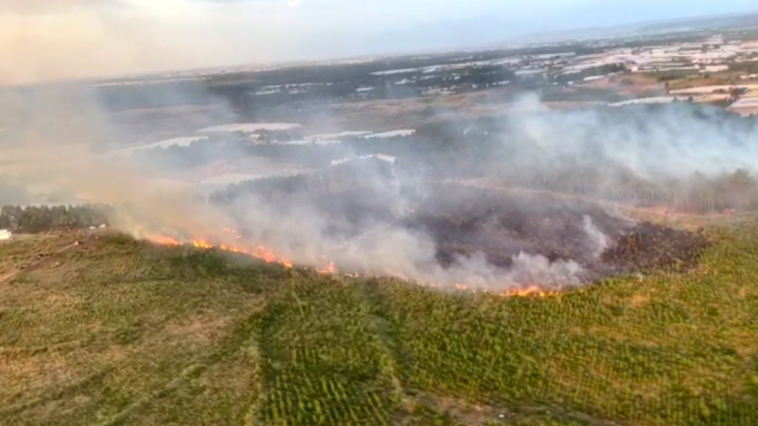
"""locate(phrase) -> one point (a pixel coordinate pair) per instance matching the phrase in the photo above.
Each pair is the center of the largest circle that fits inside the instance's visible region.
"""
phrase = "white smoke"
(597, 239)
(657, 144)
(300, 234)
(49, 40)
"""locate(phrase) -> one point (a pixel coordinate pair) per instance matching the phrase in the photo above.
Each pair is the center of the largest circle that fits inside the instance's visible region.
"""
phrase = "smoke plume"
(51, 40)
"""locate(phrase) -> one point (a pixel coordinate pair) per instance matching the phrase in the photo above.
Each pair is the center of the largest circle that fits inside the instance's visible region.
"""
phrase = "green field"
(128, 333)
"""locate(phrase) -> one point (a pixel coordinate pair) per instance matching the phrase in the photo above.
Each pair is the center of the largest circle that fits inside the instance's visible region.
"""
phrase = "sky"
(43, 40)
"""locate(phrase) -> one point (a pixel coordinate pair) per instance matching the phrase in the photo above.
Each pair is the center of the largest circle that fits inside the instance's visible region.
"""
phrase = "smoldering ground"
(448, 233)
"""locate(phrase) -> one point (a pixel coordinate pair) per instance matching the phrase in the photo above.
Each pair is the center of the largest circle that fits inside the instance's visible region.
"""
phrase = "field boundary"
(478, 183)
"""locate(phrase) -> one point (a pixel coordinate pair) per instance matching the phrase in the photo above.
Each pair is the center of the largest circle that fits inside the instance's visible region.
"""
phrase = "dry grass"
(23, 249)
(90, 334)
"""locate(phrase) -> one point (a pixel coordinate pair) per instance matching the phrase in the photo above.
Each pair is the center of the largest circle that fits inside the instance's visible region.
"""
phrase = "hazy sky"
(52, 39)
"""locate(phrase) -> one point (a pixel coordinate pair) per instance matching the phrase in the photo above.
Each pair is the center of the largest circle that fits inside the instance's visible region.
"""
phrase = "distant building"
(388, 158)
(5, 234)
(714, 68)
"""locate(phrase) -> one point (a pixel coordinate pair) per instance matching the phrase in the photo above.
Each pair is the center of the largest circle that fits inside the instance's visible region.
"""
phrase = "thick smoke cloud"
(50, 40)
(670, 142)
(304, 234)
(658, 145)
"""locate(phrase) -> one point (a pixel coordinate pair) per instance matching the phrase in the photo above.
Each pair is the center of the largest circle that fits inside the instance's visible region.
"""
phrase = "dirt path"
(12, 274)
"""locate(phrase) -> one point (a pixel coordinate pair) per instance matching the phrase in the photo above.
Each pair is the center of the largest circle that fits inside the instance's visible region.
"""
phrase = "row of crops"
(326, 363)
(589, 361)
(669, 349)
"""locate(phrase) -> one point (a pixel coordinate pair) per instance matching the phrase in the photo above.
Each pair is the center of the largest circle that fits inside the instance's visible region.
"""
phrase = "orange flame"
(163, 240)
(529, 291)
(263, 253)
(259, 252)
(202, 244)
(330, 269)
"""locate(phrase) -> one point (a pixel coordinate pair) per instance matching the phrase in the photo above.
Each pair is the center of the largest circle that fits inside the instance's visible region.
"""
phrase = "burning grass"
(504, 224)
(505, 243)
(464, 222)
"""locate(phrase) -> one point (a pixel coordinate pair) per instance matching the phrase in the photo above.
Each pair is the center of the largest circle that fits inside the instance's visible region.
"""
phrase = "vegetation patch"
(200, 337)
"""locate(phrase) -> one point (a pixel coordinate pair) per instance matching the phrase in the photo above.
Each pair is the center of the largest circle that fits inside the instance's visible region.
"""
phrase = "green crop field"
(121, 332)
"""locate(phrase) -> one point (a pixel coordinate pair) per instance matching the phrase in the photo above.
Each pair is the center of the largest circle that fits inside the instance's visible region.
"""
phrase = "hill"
(113, 331)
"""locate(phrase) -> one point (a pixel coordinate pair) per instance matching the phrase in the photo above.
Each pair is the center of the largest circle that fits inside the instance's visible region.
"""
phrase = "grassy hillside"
(119, 332)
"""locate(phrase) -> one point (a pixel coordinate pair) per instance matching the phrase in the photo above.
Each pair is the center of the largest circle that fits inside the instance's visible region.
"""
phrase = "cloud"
(74, 39)
(48, 6)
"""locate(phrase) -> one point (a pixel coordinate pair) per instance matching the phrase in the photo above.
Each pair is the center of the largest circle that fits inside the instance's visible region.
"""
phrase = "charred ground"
(503, 225)
(463, 221)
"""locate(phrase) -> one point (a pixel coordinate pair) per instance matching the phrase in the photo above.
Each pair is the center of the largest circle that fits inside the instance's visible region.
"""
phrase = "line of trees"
(338, 178)
(697, 194)
(31, 219)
